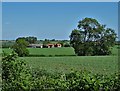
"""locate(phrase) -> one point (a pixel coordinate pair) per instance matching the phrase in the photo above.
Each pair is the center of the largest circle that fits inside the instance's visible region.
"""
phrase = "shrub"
(15, 74)
(76, 81)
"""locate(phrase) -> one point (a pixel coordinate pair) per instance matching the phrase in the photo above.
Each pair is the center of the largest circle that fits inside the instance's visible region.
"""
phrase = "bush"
(76, 81)
(66, 45)
(15, 74)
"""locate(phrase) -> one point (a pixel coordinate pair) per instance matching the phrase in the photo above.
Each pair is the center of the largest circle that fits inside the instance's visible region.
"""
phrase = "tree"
(20, 47)
(92, 38)
(31, 39)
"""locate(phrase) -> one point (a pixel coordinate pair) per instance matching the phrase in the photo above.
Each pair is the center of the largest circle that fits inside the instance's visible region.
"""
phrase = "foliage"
(20, 47)
(45, 42)
(66, 45)
(31, 39)
(18, 77)
(7, 44)
(75, 81)
(15, 74)
(92, 38)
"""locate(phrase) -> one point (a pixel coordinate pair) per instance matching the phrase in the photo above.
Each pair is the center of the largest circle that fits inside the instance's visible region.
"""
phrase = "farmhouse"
(44, 46)
(35, 45)
(58, 45)
(50, 45)
(53, 45)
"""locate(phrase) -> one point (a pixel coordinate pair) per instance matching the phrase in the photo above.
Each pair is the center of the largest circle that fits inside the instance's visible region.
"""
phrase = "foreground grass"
(94, 64)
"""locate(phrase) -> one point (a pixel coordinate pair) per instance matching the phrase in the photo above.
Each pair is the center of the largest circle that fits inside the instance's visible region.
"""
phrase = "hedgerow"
(17, 76)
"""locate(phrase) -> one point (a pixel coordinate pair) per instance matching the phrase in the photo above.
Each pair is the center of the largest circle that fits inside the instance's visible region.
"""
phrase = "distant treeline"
(65, 43)
(10, 43)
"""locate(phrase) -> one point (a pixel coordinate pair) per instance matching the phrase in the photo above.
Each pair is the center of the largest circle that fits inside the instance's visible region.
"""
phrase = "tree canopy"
(31, 39)
(92, 38)
(20, 47)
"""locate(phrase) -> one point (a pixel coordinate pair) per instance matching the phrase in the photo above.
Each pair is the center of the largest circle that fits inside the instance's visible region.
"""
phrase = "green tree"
(31, 39)
(20, 47)
(92, 38)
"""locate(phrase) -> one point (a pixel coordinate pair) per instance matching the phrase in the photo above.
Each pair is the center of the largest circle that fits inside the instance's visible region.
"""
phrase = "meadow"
(59, 70)
(94, 64)
(64, 51)
(64, 60)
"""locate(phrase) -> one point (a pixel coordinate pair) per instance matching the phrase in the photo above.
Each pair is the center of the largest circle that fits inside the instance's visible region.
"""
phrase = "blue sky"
(53, 20)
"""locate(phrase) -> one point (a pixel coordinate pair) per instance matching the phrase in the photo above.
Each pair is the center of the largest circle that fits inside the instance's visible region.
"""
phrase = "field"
(95, 64)
(66, 62)
(52, 51)
(48, 51)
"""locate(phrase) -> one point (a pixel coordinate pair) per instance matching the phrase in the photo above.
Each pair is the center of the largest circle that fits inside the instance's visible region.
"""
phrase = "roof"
(35, 44)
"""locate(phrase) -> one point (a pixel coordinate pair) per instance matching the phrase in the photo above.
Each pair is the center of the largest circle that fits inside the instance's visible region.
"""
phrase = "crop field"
(65, 63)
(95, 64)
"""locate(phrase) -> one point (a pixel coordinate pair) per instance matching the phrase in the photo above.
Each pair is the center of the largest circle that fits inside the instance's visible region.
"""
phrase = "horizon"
(53, 20)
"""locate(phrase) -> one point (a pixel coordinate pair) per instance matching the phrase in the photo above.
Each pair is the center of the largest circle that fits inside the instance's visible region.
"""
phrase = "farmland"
(95, 64)
(52, 51)
(48, 52)
(68, 60)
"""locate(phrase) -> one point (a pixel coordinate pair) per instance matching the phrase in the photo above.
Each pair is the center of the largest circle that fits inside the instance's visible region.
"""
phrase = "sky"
(60, 0)
(53, 20)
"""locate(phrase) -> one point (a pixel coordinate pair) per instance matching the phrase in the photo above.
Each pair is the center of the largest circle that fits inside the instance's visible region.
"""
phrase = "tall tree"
(92, 38)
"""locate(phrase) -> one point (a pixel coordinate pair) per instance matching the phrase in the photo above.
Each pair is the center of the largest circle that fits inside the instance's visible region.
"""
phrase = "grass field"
(68, 51)
(95, 64)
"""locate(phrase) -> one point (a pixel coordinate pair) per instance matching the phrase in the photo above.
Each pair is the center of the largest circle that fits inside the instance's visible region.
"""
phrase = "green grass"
(95, 64)
(64, 51)
(52, 51)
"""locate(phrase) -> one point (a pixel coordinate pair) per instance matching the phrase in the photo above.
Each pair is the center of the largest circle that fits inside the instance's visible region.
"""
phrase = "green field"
(95, 64)
(68, 51)
(52, 51)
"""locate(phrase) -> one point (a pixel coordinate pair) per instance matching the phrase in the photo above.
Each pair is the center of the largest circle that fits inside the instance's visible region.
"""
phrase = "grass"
(52, 51)
(64, 51)
(95, 64)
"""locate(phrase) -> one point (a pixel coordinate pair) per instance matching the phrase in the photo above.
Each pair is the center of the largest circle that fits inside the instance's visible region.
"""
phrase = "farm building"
(58, 45)
(53, 45)
(35, 45)
(44, 46)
